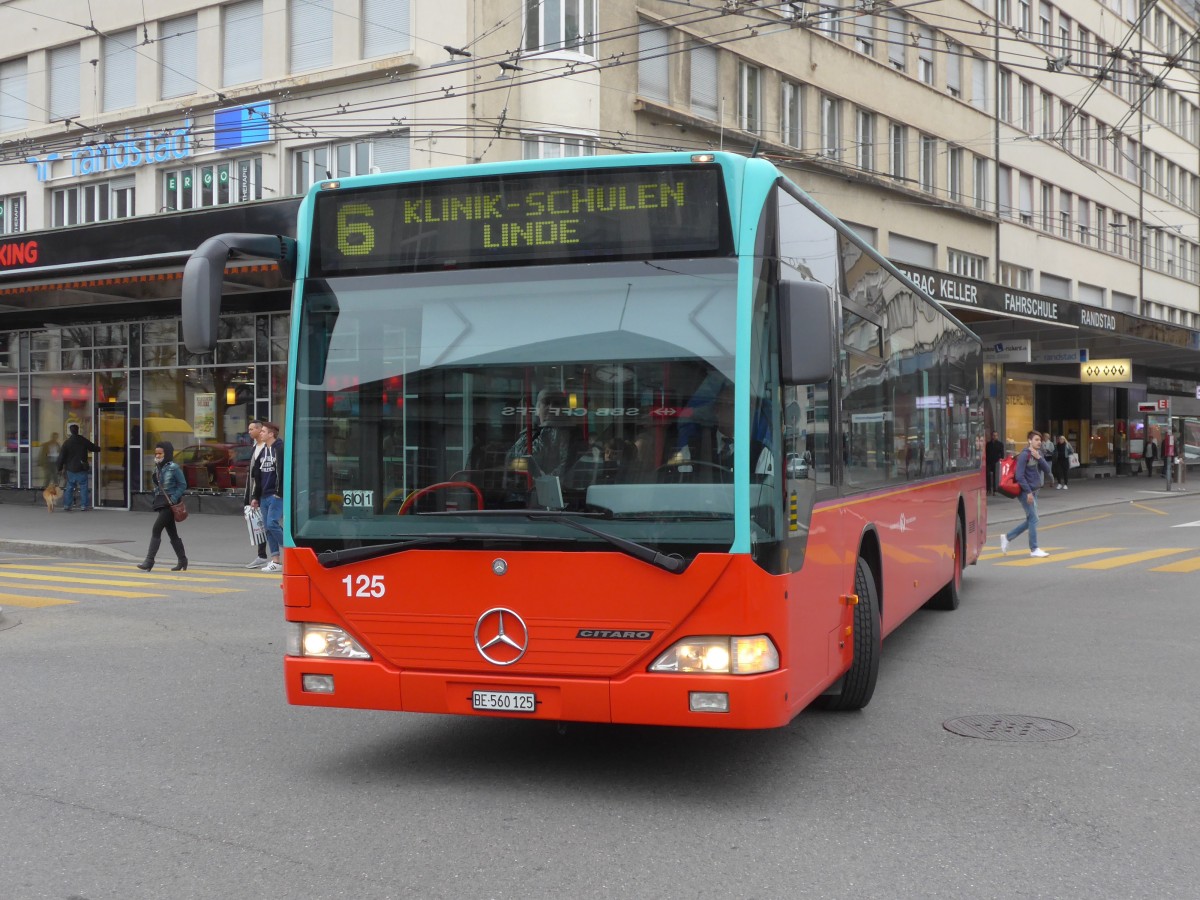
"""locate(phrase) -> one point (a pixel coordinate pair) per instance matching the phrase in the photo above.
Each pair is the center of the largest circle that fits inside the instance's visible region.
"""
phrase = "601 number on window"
(364, 585)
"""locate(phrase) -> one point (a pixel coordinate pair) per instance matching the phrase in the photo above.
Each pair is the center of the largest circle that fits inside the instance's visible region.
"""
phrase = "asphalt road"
(148, 752)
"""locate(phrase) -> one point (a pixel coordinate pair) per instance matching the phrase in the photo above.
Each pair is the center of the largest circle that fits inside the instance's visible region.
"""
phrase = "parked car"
(206, 466)
(234, 473)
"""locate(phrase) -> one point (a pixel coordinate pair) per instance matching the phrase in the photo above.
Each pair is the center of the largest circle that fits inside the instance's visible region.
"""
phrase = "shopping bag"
(1072, 460)
(1008, 478)
(254, 525)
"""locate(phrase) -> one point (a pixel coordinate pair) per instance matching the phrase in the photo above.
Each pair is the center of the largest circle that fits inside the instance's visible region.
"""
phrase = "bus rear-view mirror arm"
(806, 340)
(204, 275)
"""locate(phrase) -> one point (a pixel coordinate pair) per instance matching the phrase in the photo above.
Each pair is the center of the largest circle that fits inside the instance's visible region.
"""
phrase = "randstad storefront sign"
(129, 153)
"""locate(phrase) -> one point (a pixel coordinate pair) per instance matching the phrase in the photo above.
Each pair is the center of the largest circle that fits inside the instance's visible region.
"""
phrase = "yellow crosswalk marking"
(117, 582)
(1184, 565)
(1057, 556)
(95, 591)
(1126, 559)
(32, 602)
(119, 571)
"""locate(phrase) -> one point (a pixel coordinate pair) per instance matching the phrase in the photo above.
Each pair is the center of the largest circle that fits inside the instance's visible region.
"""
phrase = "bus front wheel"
(950, 595)
(854, 689)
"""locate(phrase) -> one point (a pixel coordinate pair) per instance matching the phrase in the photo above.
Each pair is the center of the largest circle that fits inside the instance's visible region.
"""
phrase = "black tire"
(949, 596)
(855, 688)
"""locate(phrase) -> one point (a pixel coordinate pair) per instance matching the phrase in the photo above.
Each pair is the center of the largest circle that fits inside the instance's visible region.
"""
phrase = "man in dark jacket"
(1031, 472)
(993, 453)
(73, 460)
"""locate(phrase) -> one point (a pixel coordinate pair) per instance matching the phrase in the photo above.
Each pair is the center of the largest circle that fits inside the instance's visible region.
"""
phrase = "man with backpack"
(1031, 471)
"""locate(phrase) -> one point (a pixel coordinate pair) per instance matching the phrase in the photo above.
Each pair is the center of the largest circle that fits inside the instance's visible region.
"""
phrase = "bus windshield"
(467, 404)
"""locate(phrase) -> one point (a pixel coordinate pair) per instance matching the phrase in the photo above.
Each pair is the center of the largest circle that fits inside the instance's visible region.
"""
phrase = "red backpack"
(1008, 478)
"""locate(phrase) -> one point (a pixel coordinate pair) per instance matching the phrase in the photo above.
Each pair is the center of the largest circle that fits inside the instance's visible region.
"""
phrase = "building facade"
(1035, 165)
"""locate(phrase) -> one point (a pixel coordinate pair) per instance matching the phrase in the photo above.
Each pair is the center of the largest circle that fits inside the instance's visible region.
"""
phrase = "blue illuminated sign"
(239, 126)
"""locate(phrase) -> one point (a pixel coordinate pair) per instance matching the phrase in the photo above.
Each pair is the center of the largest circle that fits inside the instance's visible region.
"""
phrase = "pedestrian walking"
(73, 461)
(993, 453)
(255, 430)
(1150, 453)
(48, 458)
(268, 493)
(1062, 462)
(169, 487)
(1031, 472)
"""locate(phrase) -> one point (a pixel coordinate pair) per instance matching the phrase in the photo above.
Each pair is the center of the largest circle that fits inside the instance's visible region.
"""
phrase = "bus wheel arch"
(950, 595)
(854, 689)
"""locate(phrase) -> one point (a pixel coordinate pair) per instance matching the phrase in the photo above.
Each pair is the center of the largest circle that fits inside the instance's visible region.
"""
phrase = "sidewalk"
(216, 540)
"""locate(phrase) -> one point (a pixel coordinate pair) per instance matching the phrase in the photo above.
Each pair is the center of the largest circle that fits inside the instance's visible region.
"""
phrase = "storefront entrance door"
(112, 434)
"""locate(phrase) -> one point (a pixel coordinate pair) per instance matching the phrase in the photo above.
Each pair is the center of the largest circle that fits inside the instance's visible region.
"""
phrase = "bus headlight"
(329, 641)
(726, 655)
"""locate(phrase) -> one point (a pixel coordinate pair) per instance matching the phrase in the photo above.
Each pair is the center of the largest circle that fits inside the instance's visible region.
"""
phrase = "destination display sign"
(583, 215)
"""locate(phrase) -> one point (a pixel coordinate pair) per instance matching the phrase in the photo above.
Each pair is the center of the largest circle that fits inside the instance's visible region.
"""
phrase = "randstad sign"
(128, 153)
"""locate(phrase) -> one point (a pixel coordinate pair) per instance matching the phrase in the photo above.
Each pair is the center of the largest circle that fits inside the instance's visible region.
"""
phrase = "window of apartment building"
(1064, 35)
(925, 55)
(654, 62)
(241, 42)
(214, 184)
(1087, 134)
(310, 34)
(954, 173)
(1004, 202)
(831, 127)
(749, 97)
(1086, 233)
(1014, 276)
(96, 202)
(827, 19)
(864, 140)
(928, 161)
(1066, 209)
(1046, 23)
(358, 157)
(556, 146)
(790, 117)
(1047, 207)
(1024, 17)
(1132, 155)
(1006, 98)
(12, 214)
(968, 265)
(980, 187)
(1025, 200)
(1004, 11)
(953, 69)
(385, 25)
(120, 69)
(1025, 105)
(898, 151)
(864, 34)
(897, 40)
(63, 63)
(1048, 104)
(1124, 302)
(704, 62)
(14, 83)
(1056, 286)
(561, 25)
(980, 96)
(1101, 229)
(177, 53)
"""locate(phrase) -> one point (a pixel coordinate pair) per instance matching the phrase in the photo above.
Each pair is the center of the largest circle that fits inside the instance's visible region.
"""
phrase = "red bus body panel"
(422, 639)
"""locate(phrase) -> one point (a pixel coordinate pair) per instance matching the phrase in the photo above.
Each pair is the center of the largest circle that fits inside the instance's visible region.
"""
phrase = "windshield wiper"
(331, 558)
(672, 562)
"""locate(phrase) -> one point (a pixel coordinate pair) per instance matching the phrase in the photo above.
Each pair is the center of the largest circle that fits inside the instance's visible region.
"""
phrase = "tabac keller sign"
(958, 291)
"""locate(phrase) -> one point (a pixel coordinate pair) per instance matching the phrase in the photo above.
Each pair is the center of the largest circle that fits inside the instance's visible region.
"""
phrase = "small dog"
(52, 494)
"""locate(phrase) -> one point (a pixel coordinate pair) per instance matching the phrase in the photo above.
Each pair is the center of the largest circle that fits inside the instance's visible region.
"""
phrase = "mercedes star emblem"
(501, 636)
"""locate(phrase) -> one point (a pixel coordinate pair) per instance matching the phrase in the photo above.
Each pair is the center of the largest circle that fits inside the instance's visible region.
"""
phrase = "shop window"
(215, 184)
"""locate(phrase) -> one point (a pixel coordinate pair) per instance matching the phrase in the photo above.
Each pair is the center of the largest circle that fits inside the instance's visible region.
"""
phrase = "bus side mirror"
(205, 272)
(806, 332)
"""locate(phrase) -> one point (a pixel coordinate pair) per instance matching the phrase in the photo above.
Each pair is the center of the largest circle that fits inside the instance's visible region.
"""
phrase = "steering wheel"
(411, 499)
(718, 474)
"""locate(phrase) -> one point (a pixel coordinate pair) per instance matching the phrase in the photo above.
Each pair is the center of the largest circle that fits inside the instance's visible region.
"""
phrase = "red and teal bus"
(643, 439)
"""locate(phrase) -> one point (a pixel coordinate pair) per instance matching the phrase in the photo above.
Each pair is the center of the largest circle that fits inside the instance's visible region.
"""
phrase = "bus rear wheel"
(950, 595)
(855, 688)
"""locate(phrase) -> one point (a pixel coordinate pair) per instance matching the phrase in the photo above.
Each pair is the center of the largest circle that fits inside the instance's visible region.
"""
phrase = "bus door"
(111, 466)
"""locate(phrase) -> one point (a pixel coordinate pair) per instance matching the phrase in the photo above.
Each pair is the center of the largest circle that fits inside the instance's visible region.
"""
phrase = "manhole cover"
(1009, 728)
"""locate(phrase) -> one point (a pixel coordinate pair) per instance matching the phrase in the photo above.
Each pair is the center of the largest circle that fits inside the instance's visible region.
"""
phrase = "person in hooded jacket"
(169, 487)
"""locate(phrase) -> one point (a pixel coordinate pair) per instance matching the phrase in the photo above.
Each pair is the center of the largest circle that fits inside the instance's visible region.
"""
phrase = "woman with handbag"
(169, 486)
